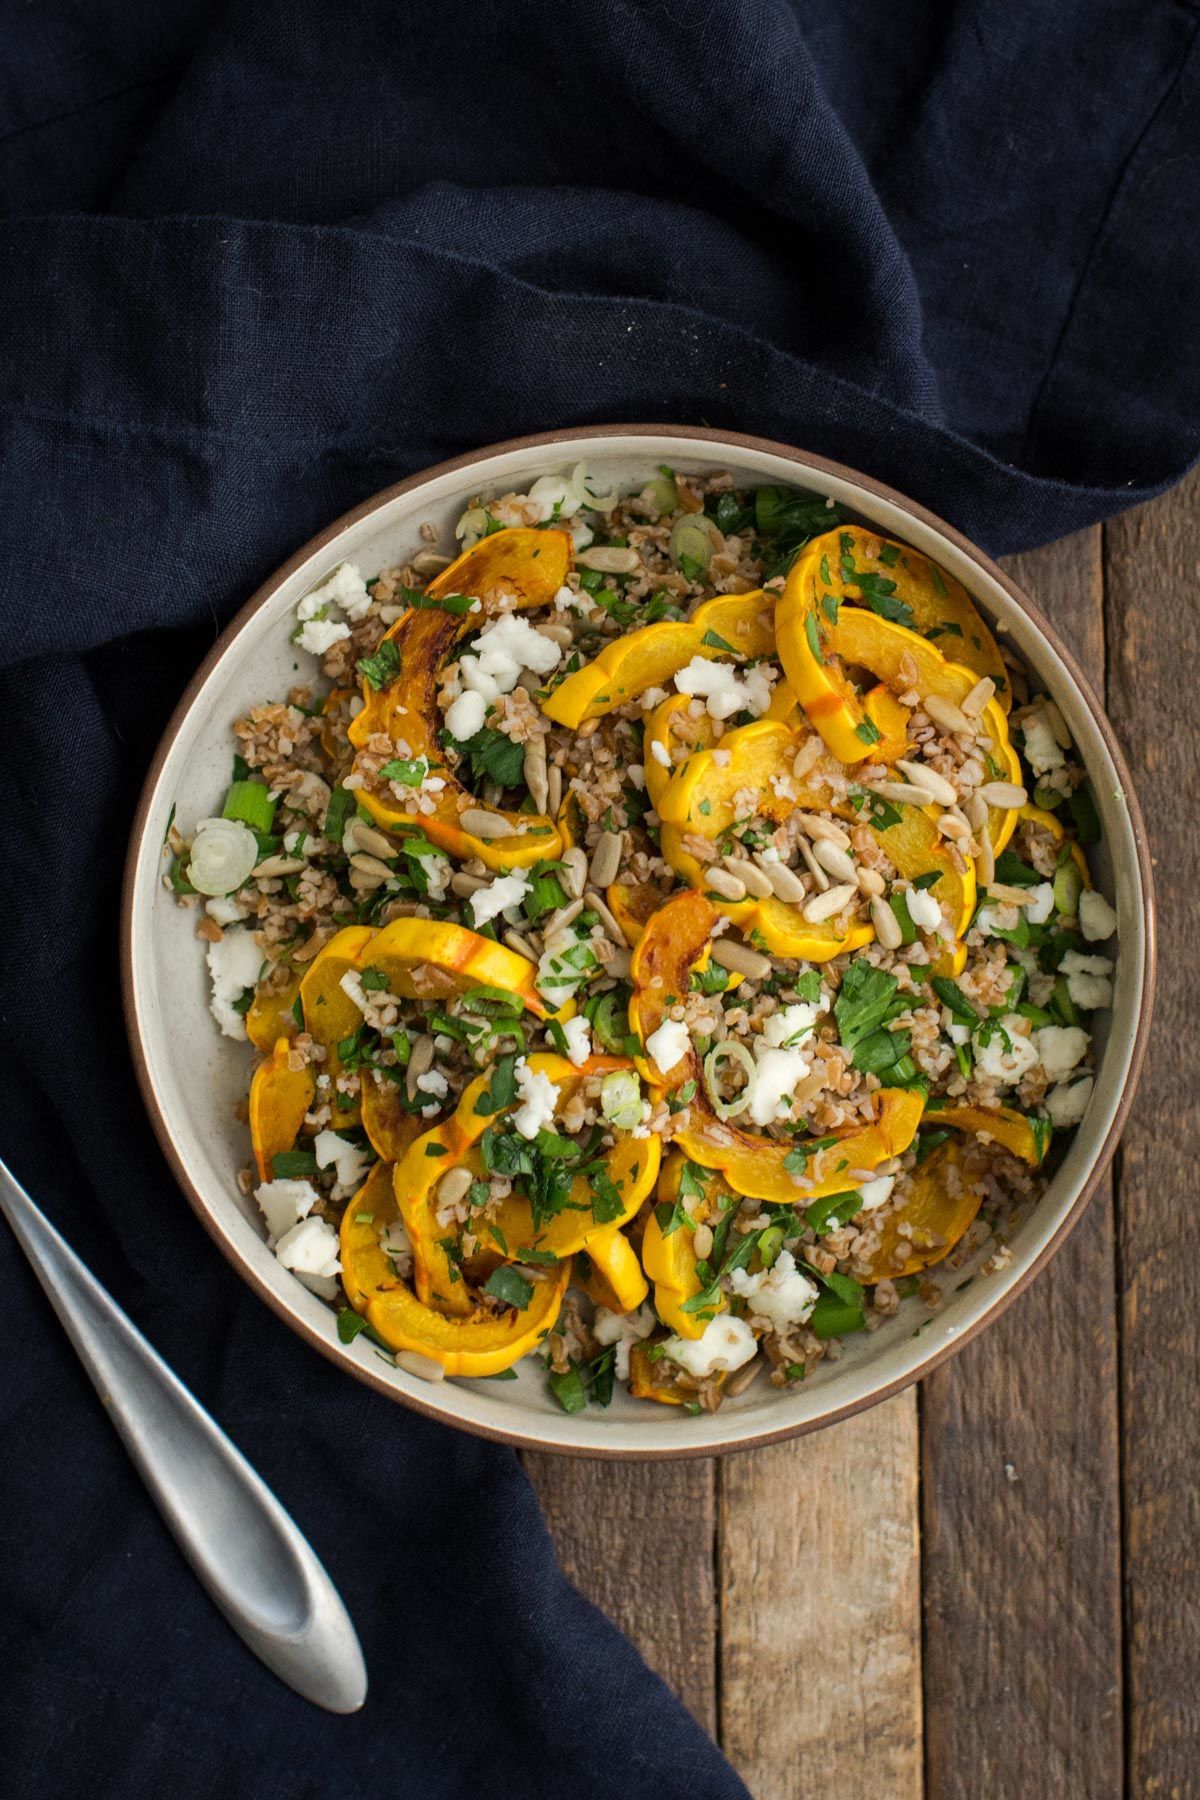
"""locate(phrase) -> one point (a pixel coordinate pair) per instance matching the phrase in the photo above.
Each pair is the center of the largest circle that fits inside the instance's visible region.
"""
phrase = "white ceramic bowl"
(192, 1078)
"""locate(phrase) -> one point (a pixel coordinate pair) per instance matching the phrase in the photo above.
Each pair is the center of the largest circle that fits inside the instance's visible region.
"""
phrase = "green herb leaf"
(383, 667)
(293, 1165)
(507, 1285)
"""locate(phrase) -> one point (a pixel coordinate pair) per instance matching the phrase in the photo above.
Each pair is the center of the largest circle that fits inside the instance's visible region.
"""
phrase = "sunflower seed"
(785, 883)
(554, 790)
(606, 915)
(280, 865)
(740, 1380)
(824, 906)
(485, 824)
(899, 793)
(834, 861)
(974, 702)
(563, 917)
(465, 885)
(371, 865)
(871, 882)
(574, 871)
(756, 881)
(818, 827)
(1003, 794)
(423, 1367)
(731, 954)
(921, 775)
(1009, 896)
(887, 925)
(521, 945)
(606, 859)
(949, 717)
(722, 882)
(420, 1061)
(536, 773)
(953, 825)
(816, 871)
(430, 562)
(454, 1185)
(702, 1241)
(373, 842)
(985, 864)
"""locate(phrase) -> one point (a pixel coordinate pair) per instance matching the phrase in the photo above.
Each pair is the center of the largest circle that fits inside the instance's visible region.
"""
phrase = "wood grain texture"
(820, 1610)
(1021, 1474)
(1154, 637)
(638, 1539)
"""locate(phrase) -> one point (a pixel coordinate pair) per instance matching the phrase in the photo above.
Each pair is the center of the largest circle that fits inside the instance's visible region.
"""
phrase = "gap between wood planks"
(931, 1599)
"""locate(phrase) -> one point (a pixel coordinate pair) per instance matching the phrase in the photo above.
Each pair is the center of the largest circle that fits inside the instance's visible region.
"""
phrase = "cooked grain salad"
(667, 936)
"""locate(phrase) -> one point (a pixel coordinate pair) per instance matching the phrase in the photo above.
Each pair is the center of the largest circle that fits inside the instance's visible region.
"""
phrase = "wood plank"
(1021, 1474)
(638, 1539)
(820, 1610)
(1154, 638)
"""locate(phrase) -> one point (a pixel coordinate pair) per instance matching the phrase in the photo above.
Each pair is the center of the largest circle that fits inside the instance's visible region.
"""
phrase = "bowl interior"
(194, 1078)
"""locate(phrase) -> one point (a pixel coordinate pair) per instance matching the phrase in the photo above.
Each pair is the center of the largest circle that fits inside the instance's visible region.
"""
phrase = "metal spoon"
(247, 1552)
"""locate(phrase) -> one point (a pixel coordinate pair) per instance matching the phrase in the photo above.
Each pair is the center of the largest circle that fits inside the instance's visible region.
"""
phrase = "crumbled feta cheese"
(539, 1096)
(790, 1025)
(348, 1160)
(581, 532)
(666, 1045)
(233, 964)
(433, 1082)
(622, 1329)
(1005, 1054)
(345, 588)
(437, 875)
(784, 1294)
(320, 635)
(225, 909)
(723, 690)
(1042, 750)
(553, 498)
(1066, 1105)
(652, 697)
(505, 891)
(1060, 1048)
(567, 600)
(283, 1204)
(1040, 904)
(502, 649)
(923, 909)
(957, 1032)
(394, 1241)
(874, 1193)
(660, 753)
(578, 1034)
(1089, 979)
(351, 985)
(465, 716)
(1097, 920)
(310, 1248)
(776, 1078)
(726, 1343)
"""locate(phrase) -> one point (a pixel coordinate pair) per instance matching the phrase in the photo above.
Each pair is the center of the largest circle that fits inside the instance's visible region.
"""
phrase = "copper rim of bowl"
(1103, 1155)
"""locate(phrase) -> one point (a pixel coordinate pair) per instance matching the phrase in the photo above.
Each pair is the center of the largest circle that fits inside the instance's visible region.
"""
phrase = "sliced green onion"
(662, 493)
(695, 540)
(1068, 885)
(223, 854)
(729, 1049)
(251, 802)
(770, 1243)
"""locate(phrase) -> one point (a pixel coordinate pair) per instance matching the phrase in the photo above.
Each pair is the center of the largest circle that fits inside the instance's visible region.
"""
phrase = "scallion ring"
(223, 853)
(728, 1048)
(695, 540)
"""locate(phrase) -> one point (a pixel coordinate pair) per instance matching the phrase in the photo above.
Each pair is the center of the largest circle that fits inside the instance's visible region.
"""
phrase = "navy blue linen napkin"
(258, 261)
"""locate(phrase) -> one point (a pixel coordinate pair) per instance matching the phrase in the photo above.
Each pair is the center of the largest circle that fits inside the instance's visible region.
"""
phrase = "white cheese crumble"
(310, 1248)
(1067, 1104)
(1060, 1048)
(348, 1160)
(283, 1204)
(726, 1343)
(320, 635)
(660, 753)
(345, 588)
(776, 1077)
(578, 1034)
(790, 1025)
(923, 909)
(505, 891)
(784, 1294)
(1089, 979)
(873, 1193)
(233, 964)
(1004, 1055)
(723, 690)
(666, 1045)
(465, 716)
(1042, 750)
(1097, 920)
(1040, 904)
(623, 1330)
(539, 1096)
(503, 648)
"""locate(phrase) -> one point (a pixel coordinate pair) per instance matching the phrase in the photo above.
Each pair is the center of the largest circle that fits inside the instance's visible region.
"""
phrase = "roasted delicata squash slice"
(1026, 1135)
(430, 959)
(630, 1170)
(669, 1254)
(475, 1342)
(330, 1015)
(280, 1096)
(389, 1125)
(272, 1013)
(670, 725)
(737, 625)
(514, 569)
(651, 1379)
(752, 1165)
(942, 1197)
(614, 1277)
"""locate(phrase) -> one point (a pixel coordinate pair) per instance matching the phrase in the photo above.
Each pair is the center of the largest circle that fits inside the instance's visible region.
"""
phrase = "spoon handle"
(246, 1551)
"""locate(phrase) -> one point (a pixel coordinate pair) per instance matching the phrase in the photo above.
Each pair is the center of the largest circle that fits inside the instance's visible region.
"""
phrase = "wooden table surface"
(990, 1585)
